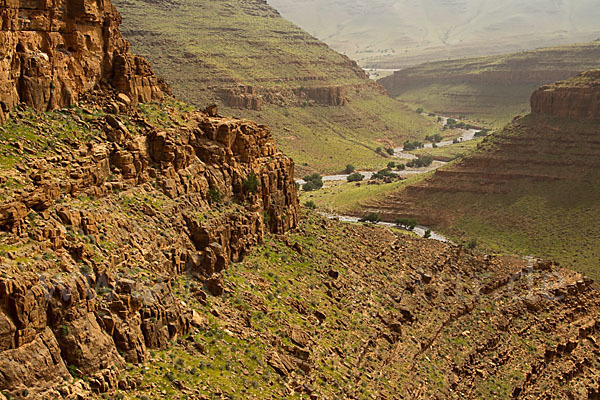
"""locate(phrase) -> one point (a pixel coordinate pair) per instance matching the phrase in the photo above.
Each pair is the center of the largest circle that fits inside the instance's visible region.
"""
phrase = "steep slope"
(242, 55)
(492, 89)
(104, 202)
(531, 188)
(402, 33)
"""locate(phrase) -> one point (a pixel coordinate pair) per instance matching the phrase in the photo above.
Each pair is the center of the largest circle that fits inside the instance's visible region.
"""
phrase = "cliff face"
(576, 98)
(53, 52)
(117, 219)
(104, 204)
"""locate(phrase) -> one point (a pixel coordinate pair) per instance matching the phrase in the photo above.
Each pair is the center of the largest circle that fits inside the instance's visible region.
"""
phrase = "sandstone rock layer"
(53, 52)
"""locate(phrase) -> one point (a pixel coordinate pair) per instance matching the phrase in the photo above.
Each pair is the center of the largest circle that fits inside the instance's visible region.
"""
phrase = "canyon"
(151, 249)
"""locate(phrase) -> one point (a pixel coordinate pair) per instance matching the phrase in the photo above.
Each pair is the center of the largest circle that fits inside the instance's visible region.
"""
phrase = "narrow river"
(399, 153)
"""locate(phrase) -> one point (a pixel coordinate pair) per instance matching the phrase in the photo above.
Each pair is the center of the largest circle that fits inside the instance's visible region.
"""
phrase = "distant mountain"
(492, 89)
(400, 33)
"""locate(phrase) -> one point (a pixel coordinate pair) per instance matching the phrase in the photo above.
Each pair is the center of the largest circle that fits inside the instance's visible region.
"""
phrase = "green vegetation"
(420, 162)
(408, 223)
(246, 43)
(448, 153)
(371, 217)
(313, 182)
(251, 183)
(355, 177)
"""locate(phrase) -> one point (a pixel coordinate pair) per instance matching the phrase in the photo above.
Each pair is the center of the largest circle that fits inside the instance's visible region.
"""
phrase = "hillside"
(529, 189)
(149, 250)
(241, 55)
(402, 33)
(492, 89)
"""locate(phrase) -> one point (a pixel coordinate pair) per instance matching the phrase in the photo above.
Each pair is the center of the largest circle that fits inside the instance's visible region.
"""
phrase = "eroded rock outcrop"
(53, 52)
(575, 98)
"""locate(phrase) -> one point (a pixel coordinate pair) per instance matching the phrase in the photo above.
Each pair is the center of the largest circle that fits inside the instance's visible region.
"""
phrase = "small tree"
(390, 151)
(370, 217)
(313, 182)
(349, 169)
(400, 167)
(408, 223)
(310, 204)
(251, 183)
(391, 165)
(419, 110)
(355, 177)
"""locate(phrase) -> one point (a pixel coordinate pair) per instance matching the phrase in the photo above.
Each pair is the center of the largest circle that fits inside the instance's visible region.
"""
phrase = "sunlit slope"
(493, 89)
(243, 56)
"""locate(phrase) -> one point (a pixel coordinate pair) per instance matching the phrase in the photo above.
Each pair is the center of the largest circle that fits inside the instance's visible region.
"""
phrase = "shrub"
(455, 141)
(422, 161)
(379, 150)
(408, 223)
(472, 244)
(408, 145)
(313, 182)
(251, 183)
(427, 234)
(391, 165)
(384, 173)
(355, 177)
(390, 151)
(400, 167)
(434, 138)
(310, 204)
(349, 169)
(482, 133)
(419, 110)
(214, 196)
(370, 217)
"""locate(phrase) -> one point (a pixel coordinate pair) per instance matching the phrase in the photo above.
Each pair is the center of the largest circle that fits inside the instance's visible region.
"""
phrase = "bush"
(370, 217)
(400, 167)
(313, 182)
(408, 223)
(434, 138)
(384, 173)
(390, 151)
(408, 145)
(349, 169)
(422, 161)
(482, 133)
(427, 234)
(310, 204)
(251, 183)
(419, 110)
(379, 150)
(391, 165)
(472, 244)
(455, 141)
(355, 177)
(215, 196)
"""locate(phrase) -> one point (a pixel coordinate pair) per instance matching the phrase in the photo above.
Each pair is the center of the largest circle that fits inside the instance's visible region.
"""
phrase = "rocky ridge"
(54, 52)
(107, 201)
(576, 98)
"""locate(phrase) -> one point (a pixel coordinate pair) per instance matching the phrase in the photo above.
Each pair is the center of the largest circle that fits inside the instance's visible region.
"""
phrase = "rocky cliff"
(107, 202)
(53, 52)
(576, 98)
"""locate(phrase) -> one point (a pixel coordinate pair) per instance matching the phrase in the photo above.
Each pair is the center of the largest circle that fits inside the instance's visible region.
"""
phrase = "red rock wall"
(53, 52)
(578, 98)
